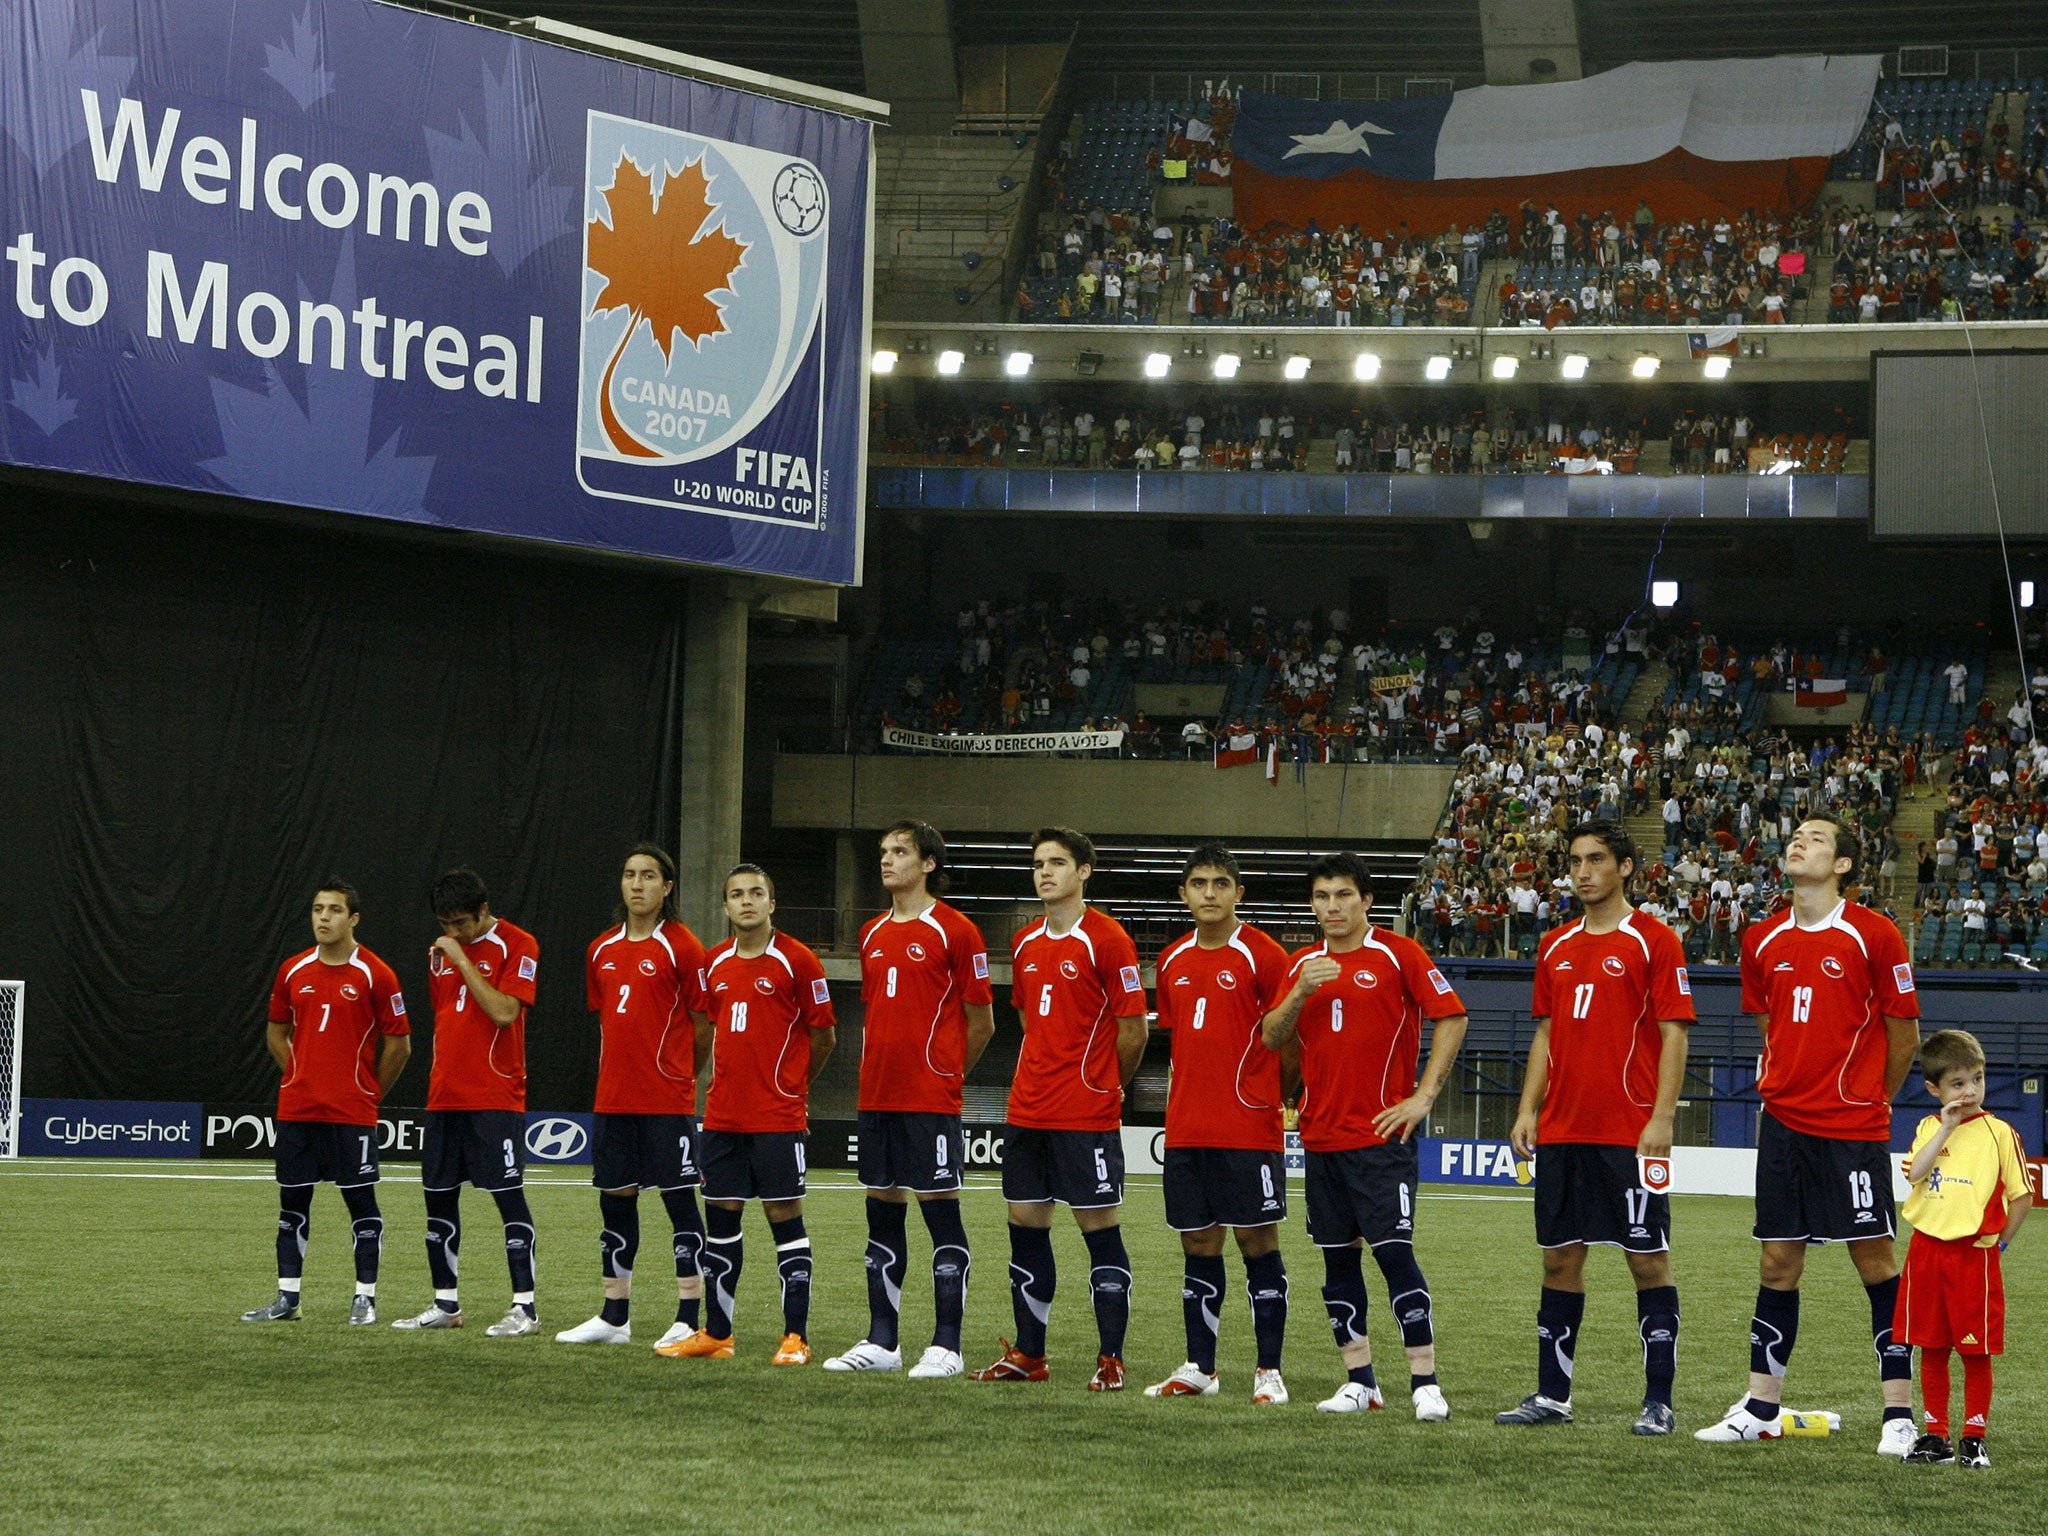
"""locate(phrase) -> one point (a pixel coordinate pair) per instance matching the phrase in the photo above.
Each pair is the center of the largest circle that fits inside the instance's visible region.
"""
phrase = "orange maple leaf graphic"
(661, 265)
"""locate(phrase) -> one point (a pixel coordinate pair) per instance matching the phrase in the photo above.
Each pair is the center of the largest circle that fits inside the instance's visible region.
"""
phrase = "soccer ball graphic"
(799, 199)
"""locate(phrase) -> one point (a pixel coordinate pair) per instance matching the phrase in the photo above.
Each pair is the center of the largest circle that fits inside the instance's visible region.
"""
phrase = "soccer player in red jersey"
(772, 1030)
(1226, 1162)
(338, 1033)
(644, 980)
(482, 973)
(927, 1017)
(1832, 990)
(1613, 1008)
(1075, 982)
(1355, 1010)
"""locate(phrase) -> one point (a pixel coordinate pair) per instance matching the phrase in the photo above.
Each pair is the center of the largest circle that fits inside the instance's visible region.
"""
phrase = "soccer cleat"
(362, 1312)
(516, 1324)
(596, 1331)
(1188, 1380)
(1739, 1424)
(1931, 1450)
(1896, 1438)
(937, 1363)
(698, 1346)
(433, 1317)
(677, 1332)
(793, 1350)
(871, 1357)
(1536, 1409)
(1352, 1398)
(1655, 1419)
(1268, 1390)
(1109, 1375)
(1970, 1452)
(283, 1310)
(1013, 1365)
(1430, 1407)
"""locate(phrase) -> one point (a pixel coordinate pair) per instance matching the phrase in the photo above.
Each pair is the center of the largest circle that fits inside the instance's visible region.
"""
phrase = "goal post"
(12, 995)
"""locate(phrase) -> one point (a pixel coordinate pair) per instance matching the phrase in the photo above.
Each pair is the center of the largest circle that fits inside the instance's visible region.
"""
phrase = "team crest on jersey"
(1902, 977)
(1832, 966)
(1612, 966)
(646, 967)
(348, 990)
(1227, 980)
(1365, 978)
(915, 950)
(1070, 970)
(764, 986)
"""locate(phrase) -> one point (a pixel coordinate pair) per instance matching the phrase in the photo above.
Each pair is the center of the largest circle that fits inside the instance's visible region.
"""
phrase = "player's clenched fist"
(1316, 971)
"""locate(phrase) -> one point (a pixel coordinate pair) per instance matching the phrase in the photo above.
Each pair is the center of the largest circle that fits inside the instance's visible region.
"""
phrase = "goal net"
(11, 993)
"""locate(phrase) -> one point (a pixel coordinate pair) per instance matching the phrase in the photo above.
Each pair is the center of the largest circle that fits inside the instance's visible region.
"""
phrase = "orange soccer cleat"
(1012, 1365)
(1109, 1375)
(697, 1346)
(793, 1350)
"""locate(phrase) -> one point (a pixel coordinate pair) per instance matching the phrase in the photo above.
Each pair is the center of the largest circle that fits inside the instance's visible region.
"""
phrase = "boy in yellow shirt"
(1970, 1194)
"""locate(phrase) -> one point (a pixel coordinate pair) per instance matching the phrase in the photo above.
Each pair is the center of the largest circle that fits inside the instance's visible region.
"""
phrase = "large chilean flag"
(1692, 139)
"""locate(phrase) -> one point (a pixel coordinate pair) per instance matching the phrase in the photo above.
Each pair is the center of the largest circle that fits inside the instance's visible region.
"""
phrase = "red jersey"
(762, 1012)
(643, 992)
(1605, 995)
(1225, 1088)
(337, 1013)
(1827, 991)
(1070, 989)
(917, 979)
(477, 1064)
(1361, 1034)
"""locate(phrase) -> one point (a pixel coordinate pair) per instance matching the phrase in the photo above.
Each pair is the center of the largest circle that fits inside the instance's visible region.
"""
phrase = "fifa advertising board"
(342, 255)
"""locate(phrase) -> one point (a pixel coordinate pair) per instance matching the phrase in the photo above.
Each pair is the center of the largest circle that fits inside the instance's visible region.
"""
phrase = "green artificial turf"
(131, 1399)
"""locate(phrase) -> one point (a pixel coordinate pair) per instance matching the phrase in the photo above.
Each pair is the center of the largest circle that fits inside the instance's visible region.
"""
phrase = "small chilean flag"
(1820, 692)
(1722, 341)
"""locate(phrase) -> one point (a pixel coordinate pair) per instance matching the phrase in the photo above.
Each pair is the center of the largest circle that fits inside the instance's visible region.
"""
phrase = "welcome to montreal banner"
(341, 255)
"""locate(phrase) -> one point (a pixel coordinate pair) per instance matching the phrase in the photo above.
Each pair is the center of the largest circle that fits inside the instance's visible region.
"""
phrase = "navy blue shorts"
(484, 1148)
(324, 1152)
(648, 1151)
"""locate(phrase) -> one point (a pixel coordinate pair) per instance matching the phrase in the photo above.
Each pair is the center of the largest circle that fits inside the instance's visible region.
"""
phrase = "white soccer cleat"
(435, 1317)
(516, 1324)
(1188, 1380)
(596, 1331)
(1430, 1407)
(677, 1332)
(1268, 1390)
(871, 1357)
(1739, 1424)
(937, 1363)
(1352, 1398)
(1896, 1438)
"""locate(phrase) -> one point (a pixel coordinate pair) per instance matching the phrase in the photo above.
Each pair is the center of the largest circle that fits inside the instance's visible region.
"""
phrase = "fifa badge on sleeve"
(1655, 1173)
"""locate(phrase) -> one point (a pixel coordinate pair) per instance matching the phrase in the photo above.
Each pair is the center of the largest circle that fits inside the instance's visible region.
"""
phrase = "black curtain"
(202, 715)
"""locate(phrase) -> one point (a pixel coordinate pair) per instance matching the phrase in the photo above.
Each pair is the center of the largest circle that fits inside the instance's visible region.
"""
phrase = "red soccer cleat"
(1013, 1365)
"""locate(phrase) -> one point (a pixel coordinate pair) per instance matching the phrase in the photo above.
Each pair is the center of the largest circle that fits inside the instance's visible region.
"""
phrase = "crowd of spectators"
(1198, 434)
(1927, 255)
(1981, 886)
(1727, 799)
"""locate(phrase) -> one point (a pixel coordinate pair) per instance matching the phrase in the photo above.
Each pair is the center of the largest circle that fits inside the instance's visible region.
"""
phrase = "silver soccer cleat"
(362, 1312)
(516, 1324)
(433, 1317)
(283, 1310)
